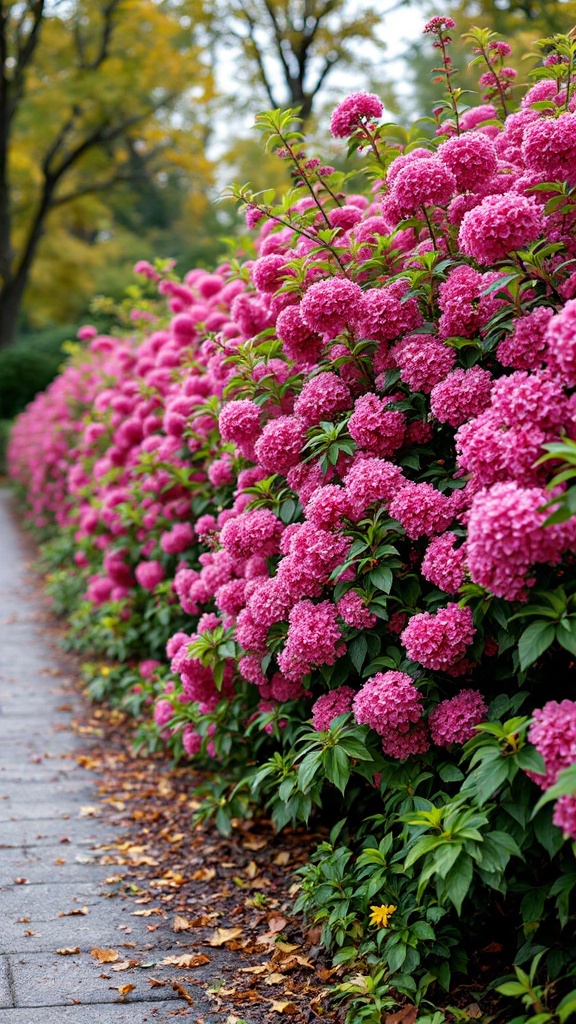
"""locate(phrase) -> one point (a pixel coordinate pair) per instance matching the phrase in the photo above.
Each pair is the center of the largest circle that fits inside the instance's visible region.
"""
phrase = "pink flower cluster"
(553, 733)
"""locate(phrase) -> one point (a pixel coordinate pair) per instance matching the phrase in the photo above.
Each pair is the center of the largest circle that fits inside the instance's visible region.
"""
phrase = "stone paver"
(48, 838)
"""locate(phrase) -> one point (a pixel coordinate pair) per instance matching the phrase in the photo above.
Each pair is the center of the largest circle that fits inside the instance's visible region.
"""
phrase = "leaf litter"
(221, 906)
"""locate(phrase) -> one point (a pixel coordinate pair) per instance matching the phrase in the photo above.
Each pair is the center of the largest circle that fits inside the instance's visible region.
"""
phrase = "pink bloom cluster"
(391, 704)
(553, 733)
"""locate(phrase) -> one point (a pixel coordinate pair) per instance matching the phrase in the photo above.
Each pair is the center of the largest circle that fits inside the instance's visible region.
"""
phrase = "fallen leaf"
(89, 811)
(181, 924)
(104, 956)
(222, 935)
(186, 960)
(67, 952)
(261, 969)
(125, 964)
(154, 983)
(73, 913)
(22, 920)
(282, 858)
(275, 979)
(204, 875)
(21, 881)
(125, 989)
(407, 1015)
(277, 924)
(29, 932)
(147, 913)
(281, 1006)
(252, 869)
(255, 844)
(473, 1011)
(183, 993)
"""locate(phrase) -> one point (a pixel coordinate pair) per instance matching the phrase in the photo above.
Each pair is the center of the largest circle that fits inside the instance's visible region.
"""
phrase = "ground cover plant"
(313, 517)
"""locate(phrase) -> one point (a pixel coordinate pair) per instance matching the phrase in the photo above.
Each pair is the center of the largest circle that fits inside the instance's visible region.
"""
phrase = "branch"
(25, 51)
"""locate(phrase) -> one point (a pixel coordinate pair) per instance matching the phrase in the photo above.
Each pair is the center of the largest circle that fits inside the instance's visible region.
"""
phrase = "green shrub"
(29, 366)
(5, 426)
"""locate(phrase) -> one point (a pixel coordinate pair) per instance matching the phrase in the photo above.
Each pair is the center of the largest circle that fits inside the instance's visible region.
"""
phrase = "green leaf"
(382, 578)
(357, 650)
(308, 769)
(337, 767)
(458, 881)
(534, 641)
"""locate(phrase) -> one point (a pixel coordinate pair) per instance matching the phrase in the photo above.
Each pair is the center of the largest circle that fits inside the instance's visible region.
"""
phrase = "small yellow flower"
(104, 671)
(381, 914)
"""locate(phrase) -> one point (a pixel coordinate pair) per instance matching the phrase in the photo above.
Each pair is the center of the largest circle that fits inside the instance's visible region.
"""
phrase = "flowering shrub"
(314, 484)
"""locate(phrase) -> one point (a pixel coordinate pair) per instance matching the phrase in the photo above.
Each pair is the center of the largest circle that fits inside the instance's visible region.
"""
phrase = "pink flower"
(299, 342)
(564, 816)
(560, 337)
(149, 574)
(268, 272)
(163, 712)
(506, 538)
(454, 720)
(375, 428)
(314, 638)
(499, 226)
(421, 509)
(401, 744)
(384, 316)
(355, 111)
(465, 310)
(423, 361)
(322, 397)
(278, 447)
(327, 506)
(352, 608)
(388, 700)
(250, 533)
(438, 641)
(471, 158)
(370, 480)
(525, 348)
(191, 741)
(330, 305)
(178, 539)
(239, 422)
(553, 733)
(444, 564)
(330, 705)
(549, 147)
(422, 183)
(461, 395)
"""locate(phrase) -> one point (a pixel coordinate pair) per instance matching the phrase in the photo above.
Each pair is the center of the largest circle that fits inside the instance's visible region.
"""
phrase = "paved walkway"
(53, 894)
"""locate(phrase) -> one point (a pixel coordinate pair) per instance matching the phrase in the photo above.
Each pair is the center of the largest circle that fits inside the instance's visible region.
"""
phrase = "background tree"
(289, 48)
(85, 85)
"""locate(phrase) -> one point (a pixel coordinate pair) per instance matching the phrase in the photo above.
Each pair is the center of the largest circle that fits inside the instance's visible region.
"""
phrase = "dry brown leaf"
(407, 1015)
(125, 989)
(282, 858)
(261, 969)
(282, 1006)
(22, 920)
(125, 964)
(277, 924)
(183, 993)
(181, 924)
(74, 913)
(255, 844)
(222, 935)
(204, 875)
(473, 1011)
(67, 952)
(154, 983)
(104, 956)
(186, 960)
(252, 869)
(147, 913)
(275, 979)
(21, 881)
(29, 932)
(89, 811)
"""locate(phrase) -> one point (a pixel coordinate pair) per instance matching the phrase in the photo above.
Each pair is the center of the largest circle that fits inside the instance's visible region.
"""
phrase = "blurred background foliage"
(120, 121)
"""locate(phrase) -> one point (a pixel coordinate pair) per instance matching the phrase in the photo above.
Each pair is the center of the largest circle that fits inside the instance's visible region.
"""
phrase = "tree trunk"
(10, 305)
